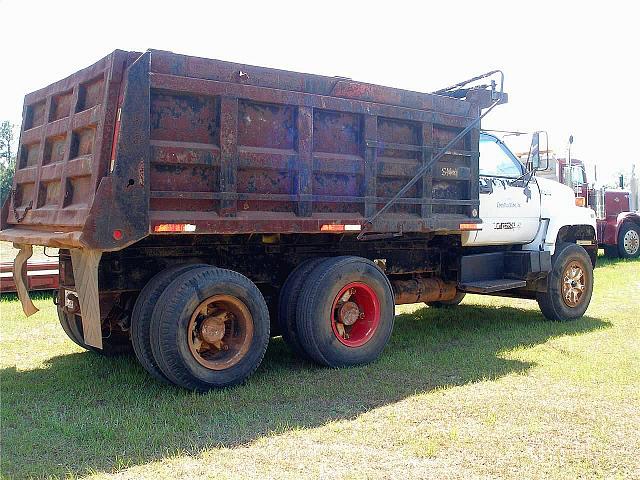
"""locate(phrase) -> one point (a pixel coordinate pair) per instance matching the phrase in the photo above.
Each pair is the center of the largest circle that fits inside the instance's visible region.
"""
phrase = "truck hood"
(558, 191)
(556, 199)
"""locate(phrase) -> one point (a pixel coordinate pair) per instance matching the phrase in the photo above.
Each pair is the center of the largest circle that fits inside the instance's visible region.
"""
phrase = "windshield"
(578, 174)
(496, 160)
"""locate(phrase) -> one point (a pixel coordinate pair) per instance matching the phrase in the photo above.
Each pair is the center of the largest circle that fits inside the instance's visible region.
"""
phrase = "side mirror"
(535, 161)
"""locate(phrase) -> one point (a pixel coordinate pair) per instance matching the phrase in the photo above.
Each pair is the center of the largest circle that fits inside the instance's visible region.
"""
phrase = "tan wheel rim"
(220, 332)
(574, 281)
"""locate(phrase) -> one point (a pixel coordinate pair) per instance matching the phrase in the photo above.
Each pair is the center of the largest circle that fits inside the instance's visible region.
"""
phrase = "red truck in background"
(618, 228)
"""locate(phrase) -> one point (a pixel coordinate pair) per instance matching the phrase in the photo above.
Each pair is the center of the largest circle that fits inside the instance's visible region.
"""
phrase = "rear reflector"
(330, 227)
(470, 226)
(174, 227)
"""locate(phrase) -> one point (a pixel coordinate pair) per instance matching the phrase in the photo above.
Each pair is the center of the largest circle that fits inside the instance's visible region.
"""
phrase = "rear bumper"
(27, 236)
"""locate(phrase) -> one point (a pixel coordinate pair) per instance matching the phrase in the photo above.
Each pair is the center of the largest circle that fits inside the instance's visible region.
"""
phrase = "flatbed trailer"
(201, 206)
(41, 276)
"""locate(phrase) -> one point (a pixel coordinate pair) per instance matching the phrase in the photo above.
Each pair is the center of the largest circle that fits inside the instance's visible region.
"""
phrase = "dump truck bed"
(160, 143)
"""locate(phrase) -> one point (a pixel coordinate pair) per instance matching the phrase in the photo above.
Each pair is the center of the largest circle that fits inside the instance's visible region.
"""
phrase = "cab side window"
(495, 162)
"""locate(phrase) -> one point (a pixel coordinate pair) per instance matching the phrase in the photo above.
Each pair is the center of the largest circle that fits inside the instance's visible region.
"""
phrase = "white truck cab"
(518, 207)
(534, 241)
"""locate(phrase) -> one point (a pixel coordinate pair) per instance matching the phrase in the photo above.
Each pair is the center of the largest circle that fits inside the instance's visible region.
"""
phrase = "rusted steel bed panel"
(170, 63)
(198, 86)
(119, 216)
(64, 146)
(232, 148)
(396, 157)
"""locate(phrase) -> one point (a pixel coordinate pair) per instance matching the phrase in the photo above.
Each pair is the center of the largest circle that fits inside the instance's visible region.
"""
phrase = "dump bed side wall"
(238, 149)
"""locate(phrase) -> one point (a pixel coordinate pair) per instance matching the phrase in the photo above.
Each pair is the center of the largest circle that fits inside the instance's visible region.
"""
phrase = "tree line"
(7, 158)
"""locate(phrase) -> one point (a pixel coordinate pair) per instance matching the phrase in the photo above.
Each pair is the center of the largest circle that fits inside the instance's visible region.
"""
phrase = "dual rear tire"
(200, 327)
(337, 312)
(143, 313)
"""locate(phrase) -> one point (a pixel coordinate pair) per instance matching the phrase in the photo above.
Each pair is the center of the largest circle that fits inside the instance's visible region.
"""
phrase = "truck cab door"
(509, 200)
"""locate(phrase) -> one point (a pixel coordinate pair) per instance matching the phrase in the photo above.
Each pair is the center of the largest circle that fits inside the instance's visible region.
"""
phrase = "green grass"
(488, 389)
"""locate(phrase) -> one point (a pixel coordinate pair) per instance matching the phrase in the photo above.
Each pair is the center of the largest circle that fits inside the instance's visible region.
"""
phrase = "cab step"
(490, 286)
(498, 271)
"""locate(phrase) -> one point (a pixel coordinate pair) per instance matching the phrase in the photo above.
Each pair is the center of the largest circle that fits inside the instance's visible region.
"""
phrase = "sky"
(570, 67)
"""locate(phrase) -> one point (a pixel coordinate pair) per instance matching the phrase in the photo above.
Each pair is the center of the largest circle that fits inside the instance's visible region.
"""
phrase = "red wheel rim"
(355, 314)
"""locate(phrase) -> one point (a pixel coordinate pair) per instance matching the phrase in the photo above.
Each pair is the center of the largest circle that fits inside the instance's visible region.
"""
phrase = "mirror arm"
(529, 178)
(546, 153)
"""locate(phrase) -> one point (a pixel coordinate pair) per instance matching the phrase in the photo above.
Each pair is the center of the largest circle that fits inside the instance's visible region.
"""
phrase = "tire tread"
(142, 313)
(165, 324)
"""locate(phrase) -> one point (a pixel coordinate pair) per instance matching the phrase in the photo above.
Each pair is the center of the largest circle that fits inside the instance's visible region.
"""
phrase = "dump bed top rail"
(163, 143)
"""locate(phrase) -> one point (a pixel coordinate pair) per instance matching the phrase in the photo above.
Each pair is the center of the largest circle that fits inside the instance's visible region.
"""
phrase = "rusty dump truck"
(202, 207)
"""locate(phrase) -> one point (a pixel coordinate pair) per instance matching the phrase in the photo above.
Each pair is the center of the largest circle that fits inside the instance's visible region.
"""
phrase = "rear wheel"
(114, 343)
(209, 329)
(629, 240)
(64, 323)
(569, 284)
(448, 303)
(345, 313)
(289, 295)
(143, 311)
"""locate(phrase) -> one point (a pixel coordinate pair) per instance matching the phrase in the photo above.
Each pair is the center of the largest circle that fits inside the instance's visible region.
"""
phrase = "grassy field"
(488, 389)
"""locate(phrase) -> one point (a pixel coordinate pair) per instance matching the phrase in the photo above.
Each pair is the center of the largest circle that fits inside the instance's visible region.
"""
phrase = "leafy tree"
(7, 159)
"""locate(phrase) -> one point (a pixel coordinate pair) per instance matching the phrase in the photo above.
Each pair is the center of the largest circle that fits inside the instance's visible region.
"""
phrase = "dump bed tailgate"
(65, 149)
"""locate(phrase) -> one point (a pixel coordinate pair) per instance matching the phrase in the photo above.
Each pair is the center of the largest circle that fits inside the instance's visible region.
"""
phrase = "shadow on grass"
(86, 413)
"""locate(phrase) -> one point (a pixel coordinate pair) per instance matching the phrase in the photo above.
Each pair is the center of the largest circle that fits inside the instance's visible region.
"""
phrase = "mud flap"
(20, 277)
(85, 272)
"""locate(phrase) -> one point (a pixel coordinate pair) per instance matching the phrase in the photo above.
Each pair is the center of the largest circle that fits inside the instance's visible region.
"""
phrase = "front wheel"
(629, 240)
(569, 284)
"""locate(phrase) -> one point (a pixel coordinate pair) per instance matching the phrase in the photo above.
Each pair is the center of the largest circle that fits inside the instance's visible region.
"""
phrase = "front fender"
(633, 217)
(563, 217)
